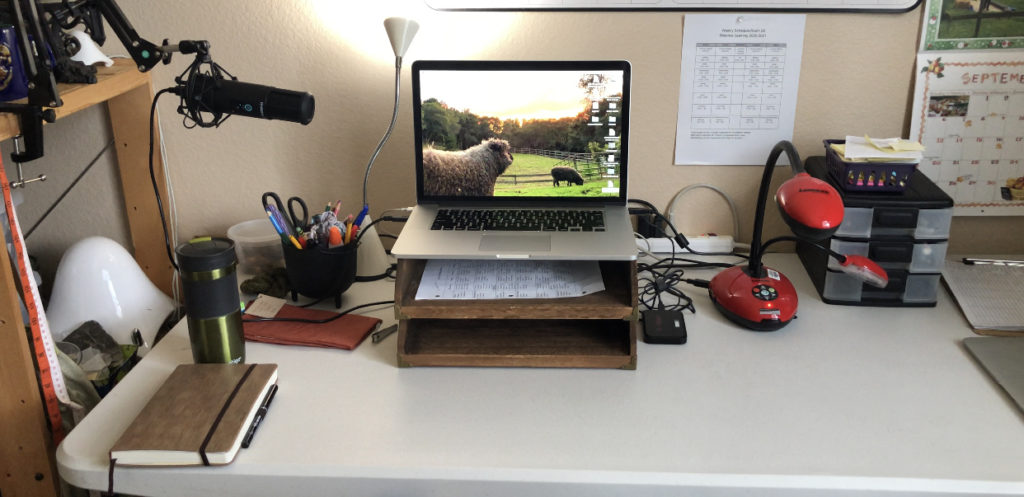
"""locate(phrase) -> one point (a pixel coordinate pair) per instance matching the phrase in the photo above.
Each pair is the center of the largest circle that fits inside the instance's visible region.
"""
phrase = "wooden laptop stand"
(593, 331)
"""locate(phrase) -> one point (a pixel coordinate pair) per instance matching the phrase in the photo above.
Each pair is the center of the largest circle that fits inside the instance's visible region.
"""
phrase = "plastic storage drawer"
(920, 224)
(904, 289)
(920, 257)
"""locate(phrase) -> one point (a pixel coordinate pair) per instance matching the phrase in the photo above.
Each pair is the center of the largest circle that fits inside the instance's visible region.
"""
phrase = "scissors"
(298, 222)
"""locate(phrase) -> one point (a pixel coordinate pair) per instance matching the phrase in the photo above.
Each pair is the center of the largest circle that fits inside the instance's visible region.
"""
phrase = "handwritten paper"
(492, 279)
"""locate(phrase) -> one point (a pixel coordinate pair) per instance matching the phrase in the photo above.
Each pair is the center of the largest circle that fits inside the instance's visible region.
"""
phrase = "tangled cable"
(653, 288)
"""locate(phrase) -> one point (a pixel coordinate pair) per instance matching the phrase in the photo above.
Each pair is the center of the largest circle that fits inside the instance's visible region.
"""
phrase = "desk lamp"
(760, 298)
(401, 31)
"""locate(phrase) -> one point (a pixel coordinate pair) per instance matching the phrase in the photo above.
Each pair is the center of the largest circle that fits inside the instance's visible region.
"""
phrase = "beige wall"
(857, 76)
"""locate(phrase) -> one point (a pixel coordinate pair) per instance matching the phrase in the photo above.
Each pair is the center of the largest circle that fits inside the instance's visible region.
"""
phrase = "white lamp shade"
(401, 31)
(98, 280)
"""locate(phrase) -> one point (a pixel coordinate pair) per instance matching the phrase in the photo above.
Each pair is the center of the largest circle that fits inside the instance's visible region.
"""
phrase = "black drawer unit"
(907, 233)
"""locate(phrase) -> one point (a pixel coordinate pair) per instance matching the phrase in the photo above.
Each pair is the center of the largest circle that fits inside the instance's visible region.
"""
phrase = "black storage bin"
(906, 233)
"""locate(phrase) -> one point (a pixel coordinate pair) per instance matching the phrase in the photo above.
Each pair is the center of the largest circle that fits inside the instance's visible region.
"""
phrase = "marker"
(362, 215)
(334, 239)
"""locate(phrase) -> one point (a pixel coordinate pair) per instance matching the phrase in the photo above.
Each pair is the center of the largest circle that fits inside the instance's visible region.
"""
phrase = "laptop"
(520, 160)
(1003, 358)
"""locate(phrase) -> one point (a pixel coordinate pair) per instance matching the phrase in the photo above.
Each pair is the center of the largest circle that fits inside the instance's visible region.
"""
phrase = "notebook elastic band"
(220, 415)
(110, 480)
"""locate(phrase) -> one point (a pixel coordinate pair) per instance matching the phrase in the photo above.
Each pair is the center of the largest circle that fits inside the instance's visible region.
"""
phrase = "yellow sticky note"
(907, 146)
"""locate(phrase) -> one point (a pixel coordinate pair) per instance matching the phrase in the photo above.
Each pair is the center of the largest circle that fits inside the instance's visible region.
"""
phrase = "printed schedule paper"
(465, 279)
(737, 86)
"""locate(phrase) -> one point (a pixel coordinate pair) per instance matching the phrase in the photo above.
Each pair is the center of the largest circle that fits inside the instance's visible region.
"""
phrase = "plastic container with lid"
(257, 246)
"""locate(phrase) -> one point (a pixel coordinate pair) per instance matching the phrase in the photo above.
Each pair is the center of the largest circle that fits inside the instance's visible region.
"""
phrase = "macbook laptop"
(1003, 358)
(520, 160)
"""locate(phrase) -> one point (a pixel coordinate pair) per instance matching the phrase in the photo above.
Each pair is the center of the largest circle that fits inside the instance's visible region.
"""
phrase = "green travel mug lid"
(206, 254)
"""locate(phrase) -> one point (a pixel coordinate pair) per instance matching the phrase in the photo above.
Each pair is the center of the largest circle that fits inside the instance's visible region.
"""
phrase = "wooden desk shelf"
(27, 450)
(595, 331)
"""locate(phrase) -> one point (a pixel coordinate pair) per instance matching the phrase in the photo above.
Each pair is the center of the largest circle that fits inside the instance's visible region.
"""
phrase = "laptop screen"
(521, 131)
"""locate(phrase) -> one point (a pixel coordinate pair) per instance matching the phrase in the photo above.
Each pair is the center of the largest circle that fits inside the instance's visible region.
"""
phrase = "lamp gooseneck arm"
(391, 127)
(756, 250)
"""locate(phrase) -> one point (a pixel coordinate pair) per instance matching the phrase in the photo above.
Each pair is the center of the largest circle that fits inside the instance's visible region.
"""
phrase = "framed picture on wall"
(973, 25)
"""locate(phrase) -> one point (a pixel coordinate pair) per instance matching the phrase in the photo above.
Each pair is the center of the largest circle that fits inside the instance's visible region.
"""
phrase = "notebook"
(344, 332)
(201, 415)
(519, 160)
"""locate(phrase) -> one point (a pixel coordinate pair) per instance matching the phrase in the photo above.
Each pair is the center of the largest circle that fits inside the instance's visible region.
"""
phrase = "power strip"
(699, 243)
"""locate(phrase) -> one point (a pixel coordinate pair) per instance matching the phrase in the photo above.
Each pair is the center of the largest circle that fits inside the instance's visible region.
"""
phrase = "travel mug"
(210, 286)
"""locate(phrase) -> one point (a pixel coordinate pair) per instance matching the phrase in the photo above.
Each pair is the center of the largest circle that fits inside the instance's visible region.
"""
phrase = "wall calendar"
(969, 114)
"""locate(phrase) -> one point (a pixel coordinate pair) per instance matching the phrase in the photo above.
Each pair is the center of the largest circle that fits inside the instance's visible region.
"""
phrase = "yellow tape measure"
(50, 377)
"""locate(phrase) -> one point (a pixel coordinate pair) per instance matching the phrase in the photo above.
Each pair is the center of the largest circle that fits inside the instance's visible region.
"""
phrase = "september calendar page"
(969, 115)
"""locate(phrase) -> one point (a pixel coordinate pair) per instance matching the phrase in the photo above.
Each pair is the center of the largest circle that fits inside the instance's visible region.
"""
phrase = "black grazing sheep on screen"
(566, 174)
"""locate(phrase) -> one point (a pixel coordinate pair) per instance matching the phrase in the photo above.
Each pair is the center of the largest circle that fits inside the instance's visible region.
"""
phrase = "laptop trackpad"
(516, 243)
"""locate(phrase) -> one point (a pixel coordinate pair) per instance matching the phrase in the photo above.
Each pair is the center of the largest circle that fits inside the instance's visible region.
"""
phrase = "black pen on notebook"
(996, 262)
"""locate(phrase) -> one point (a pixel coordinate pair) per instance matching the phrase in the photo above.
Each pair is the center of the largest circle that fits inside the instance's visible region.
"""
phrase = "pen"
(380, 335)
(281, 221)
(280, 231)
(997, 262)
(273, 221)
(260, 414)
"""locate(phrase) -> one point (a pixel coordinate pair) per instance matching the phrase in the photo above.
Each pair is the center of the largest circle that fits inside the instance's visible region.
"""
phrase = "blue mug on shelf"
(13, 82)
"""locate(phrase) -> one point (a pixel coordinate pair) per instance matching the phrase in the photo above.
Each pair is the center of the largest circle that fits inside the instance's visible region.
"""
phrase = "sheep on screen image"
(566, 174)
(471, 172)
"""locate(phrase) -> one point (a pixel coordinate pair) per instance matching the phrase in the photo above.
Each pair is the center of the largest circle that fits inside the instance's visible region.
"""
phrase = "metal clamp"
(21, 182)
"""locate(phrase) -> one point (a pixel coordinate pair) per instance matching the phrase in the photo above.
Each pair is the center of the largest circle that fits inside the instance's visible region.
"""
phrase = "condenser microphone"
(218, 96)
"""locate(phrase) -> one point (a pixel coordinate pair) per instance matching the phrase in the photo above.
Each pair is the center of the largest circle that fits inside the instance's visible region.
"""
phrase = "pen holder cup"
(320, 272)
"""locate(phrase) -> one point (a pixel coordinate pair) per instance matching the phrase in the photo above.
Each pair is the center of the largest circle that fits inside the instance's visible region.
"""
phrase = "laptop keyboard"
(519, 220)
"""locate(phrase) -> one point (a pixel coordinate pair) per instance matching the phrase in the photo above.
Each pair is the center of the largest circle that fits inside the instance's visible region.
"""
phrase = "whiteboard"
(677, 5)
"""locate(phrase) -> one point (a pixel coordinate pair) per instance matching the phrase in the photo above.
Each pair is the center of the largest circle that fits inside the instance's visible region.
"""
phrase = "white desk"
(843, 401)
